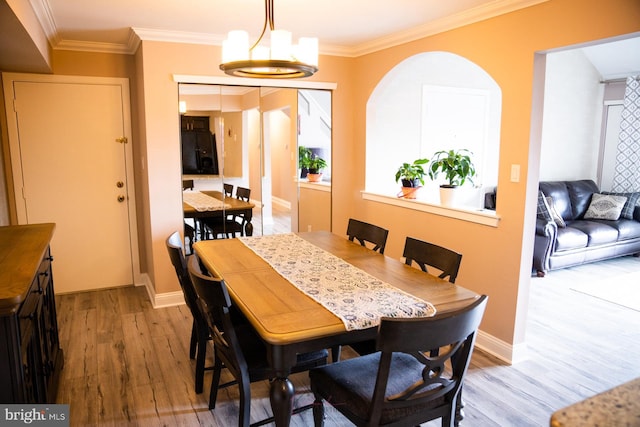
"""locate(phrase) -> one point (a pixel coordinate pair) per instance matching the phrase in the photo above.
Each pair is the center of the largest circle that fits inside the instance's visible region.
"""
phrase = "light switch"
(515, 173)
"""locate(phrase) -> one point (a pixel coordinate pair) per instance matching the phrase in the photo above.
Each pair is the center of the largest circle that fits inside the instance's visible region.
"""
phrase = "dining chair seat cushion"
(354, 380)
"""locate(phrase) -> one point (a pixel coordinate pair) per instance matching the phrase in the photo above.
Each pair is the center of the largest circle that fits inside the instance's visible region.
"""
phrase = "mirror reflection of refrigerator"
(199, 155)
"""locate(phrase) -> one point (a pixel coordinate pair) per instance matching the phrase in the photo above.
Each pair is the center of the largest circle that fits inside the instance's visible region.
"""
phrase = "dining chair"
(237, 346)
(192, 227)
(231, 224)
(401, 384)
(228, 189)
(427, 254)
(365, 232)
(199, 328)
(187, 184)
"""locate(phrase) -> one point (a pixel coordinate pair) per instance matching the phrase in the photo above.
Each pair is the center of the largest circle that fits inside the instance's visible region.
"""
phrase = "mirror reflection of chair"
(427, 254)
(199, 328)
(401, 384)
(233, 223)
(365, 232)
(237, 345)
(228, 189)
(191, 226)
(187, 184)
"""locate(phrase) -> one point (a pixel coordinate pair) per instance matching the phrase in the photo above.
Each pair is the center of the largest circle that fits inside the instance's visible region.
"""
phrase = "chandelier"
(283, 61)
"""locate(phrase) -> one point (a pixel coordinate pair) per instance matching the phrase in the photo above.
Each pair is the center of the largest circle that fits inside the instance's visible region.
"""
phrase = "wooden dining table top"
(282, 314)
(234, 205)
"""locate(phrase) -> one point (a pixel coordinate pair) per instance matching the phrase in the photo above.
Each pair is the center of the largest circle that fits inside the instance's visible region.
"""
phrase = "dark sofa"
(581, 240)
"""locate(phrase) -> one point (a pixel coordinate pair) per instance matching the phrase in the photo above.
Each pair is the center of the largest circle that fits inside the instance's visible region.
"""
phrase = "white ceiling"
(344, 27)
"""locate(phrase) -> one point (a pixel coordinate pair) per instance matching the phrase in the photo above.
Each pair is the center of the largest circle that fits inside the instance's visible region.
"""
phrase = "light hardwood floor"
(127, 363)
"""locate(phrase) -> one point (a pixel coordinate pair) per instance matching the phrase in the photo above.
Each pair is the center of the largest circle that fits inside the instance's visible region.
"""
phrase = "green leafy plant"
(316, 164)
(456, 165)
(412, 173)
(304, 156)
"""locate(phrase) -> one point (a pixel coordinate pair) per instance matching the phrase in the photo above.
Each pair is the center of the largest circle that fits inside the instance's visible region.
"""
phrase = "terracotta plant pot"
(314, 177)
(409, 192)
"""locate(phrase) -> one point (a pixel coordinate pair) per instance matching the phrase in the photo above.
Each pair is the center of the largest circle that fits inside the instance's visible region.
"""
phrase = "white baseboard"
(166, 299)
(506, 352)
(281, 202)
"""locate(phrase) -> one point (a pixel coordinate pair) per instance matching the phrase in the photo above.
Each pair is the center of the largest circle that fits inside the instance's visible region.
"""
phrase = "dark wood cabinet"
(196, 123)
(30, 355)
(199, 155)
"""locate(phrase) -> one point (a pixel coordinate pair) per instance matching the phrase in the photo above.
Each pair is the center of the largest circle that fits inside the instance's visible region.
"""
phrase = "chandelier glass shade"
(283, 60)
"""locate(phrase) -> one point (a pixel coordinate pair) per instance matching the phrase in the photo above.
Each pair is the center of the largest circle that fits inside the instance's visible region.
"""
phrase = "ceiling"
(345, 28)
(342, 26)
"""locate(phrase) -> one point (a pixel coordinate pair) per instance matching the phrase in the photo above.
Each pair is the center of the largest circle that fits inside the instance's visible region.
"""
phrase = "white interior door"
(74, 172)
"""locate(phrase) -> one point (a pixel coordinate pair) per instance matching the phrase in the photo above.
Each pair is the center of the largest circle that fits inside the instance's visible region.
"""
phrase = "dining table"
(218, 207)
(290, 321)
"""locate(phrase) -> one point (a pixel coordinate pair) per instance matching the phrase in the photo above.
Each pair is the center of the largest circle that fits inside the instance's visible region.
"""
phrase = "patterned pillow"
(604, 206)
(629, 206)
(543, 207)
(557, 218)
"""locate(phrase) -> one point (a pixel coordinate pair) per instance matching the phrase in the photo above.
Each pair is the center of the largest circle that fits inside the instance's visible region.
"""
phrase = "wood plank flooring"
(127, 364)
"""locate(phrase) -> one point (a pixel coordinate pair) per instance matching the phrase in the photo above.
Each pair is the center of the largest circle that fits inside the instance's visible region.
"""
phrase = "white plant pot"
(449, 196)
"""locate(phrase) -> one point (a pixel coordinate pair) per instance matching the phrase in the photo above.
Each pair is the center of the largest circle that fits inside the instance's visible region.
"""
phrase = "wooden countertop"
(21, 250)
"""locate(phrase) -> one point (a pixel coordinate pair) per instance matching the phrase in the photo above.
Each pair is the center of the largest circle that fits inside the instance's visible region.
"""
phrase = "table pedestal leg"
(281, 396)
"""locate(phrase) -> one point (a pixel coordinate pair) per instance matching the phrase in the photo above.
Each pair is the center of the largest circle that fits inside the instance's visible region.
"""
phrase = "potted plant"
(315, 165)
(412, 176)
(457, 167)
(304, 155)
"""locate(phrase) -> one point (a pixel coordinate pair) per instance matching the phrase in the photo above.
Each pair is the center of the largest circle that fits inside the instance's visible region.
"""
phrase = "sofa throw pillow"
(543, 207)
(604, 206)
(557, 218)
(630, 204)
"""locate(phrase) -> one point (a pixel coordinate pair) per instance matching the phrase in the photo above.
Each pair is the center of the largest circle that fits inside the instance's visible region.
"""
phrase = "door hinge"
(122, 140)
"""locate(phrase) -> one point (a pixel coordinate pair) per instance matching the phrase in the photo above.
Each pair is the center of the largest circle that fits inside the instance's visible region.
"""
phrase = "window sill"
(319, 186)
(479, 216)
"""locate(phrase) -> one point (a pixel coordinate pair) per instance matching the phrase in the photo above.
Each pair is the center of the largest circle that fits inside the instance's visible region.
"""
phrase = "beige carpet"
(623, 289)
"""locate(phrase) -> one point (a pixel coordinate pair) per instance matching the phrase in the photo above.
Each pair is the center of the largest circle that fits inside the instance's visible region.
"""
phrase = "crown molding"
(44, 15)
(477, 14)
(470, 16)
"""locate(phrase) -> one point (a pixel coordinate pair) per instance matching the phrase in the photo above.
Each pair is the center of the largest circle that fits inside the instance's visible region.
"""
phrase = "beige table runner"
(356, 297)
(202, 202)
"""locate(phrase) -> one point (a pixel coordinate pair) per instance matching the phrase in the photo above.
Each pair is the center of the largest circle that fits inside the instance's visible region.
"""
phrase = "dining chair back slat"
(428, 254)
(364, 232)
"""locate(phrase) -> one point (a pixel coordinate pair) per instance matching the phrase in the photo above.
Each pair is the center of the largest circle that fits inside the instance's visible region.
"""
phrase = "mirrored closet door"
(245, 157)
